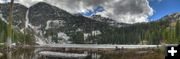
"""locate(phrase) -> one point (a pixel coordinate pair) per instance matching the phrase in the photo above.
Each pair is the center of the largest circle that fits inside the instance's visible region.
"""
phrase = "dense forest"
(18, 37)
(157, 32)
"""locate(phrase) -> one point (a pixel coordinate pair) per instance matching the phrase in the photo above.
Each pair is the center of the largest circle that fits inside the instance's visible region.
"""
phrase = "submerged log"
(62, 55)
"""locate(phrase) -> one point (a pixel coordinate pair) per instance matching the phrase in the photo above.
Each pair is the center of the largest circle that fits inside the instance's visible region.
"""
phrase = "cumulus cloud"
(127, 11)
(26, 3)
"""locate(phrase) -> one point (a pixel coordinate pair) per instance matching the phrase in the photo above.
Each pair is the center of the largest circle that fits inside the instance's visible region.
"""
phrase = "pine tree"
(178, 31)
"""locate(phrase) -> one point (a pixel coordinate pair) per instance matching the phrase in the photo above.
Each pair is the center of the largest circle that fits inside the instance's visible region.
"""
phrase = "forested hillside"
(18, 36)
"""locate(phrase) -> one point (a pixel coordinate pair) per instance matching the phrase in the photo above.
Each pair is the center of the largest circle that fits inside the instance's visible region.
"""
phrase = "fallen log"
(62, 55)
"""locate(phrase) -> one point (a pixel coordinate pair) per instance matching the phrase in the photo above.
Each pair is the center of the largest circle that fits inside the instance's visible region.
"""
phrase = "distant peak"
(175, 14)
(172, 17)
(42, 3)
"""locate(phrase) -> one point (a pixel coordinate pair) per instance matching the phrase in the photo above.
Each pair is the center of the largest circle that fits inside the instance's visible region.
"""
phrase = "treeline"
(162, 31)
(18, 37)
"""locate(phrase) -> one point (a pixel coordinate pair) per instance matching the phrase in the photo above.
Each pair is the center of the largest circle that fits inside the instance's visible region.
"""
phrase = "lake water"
(18, 53)
(24, 53)
(34, 53)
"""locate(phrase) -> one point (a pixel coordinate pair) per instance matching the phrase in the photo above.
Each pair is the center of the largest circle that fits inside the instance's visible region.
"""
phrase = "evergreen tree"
(178, 31)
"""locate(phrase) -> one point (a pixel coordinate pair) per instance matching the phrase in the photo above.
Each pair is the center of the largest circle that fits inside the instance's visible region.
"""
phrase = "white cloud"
(26, 3)
(4, 1)
(128, 11)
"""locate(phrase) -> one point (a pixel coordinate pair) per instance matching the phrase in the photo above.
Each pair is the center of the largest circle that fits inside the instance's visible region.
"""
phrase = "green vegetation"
(79, 36)
(3, 34)
(178, 31)
(171, 34)
(18, 37)
(163, 31)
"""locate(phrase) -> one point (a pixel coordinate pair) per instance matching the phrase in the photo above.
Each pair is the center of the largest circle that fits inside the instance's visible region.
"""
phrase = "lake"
(59, 52)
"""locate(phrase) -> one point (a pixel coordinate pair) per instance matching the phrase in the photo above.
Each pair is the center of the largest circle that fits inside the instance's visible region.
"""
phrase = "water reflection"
(25, 53)
(18, 53)
(9, 54)
(32, 53)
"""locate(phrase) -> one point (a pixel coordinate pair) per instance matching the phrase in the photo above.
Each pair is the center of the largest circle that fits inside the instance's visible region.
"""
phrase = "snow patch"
(86, 35)
(63, 36)
(93, 33)
(35, 28)
(1, 15)
(54, 24)
(49, 40)
(39, 40)
(78, 30)
(97, 32)
(27, 19)
(22, 30)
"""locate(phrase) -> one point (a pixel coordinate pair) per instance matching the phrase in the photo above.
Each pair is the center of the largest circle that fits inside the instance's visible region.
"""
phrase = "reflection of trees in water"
(6, 55)
(18, 53)
(9, 54)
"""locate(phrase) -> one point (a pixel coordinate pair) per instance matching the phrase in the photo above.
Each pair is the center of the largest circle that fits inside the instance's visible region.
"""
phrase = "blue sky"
(160, 8)
(93, 11)
(163, 8)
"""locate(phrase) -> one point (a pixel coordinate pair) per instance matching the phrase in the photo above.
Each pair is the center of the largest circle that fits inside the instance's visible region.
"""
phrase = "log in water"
(96, 46)
(62, 55)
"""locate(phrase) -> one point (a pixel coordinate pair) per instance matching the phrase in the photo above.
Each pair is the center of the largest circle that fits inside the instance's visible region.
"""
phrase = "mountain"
(19, 14)
(43, 23)
(109, 21)
(54, 23)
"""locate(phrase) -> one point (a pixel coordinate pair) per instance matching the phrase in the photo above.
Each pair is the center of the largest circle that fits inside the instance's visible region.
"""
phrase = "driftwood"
(62, 55)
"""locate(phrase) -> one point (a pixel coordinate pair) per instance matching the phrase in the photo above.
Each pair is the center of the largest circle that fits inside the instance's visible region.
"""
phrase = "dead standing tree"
(9, 29)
